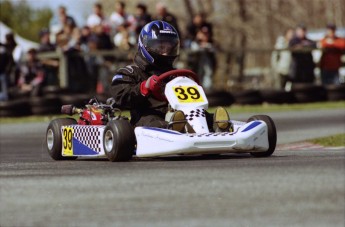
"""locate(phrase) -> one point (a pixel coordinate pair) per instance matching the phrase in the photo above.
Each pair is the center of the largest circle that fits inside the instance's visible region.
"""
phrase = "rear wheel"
(272, 135)
(119, 141)
(54, 138)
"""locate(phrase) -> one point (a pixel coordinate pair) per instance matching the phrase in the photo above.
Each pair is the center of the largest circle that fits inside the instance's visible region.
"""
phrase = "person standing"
(333, 48)
(302, 65)
(163, 14)
(97, 18)
(142, 17)
(199, 22)
(281, 59)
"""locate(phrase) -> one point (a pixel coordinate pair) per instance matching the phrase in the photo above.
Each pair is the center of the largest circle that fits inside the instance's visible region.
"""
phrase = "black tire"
(45, 105)
(272, 135)
(14, 108)
(54, 138)
(335, 92)
(220, 98)
(45, 110)
(305, 92)
(119, 141)
(249, 97)
(277, 96)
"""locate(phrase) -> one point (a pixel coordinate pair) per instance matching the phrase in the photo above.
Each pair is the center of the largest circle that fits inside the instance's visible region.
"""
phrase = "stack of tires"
(219, 98)
(15, 108)
(335, 92)
(248, 97)
(309, 92)
(277, 96)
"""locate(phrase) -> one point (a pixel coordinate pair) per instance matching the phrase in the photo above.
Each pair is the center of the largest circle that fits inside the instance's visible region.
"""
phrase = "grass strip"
(337, 140)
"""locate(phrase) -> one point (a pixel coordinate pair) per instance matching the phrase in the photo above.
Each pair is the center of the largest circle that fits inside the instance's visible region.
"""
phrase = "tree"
(25, 21)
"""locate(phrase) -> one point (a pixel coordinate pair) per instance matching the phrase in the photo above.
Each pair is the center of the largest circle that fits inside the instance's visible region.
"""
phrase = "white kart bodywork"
(151, 142)
(250, 137)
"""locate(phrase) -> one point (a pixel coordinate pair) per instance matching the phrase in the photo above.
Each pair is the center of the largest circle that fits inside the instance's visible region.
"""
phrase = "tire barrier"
(309, 93)
(220, 98)
(49, 104)
(335, 92)
(15, 108)
(53, 97)
(277, 96)
(249, 97)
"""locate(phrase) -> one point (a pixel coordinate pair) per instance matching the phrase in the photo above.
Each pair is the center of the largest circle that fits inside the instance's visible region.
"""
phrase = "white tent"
(24, 43)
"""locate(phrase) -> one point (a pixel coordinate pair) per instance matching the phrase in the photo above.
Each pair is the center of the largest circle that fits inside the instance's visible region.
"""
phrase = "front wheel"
(272, 135)
(119, 141)
(54, 138)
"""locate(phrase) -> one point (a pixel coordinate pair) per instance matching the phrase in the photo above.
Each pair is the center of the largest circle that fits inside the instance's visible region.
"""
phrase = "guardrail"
(127, 56)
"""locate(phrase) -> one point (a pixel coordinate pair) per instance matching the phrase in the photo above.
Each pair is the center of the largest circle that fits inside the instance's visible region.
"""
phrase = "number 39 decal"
(188, 94)
(67, 144)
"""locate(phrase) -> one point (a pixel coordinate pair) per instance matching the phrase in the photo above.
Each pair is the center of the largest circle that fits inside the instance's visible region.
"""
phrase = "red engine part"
(91, 116)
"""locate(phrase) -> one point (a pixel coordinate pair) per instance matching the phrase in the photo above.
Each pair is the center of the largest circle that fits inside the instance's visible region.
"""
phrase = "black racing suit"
(145, 111)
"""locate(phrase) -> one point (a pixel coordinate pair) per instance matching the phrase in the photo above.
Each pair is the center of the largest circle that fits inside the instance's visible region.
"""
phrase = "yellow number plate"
(188, 94)
(67, 138)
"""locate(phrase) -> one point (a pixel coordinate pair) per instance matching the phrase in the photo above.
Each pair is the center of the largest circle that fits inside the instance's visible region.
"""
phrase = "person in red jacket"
(333, 48)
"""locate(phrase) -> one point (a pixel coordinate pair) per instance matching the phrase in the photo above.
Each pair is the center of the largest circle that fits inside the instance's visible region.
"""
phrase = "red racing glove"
(150, 86)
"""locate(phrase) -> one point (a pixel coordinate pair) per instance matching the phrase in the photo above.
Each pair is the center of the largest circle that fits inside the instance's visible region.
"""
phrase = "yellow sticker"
(67, 138)
(188, 94)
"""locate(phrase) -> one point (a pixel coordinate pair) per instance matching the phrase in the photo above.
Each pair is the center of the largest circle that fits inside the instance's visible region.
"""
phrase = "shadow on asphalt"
(208, 157)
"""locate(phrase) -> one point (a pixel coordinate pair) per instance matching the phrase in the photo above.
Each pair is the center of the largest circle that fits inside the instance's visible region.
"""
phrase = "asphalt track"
(294, 187)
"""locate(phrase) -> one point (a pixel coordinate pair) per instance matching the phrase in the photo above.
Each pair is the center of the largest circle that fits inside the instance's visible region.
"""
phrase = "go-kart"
(102, 131)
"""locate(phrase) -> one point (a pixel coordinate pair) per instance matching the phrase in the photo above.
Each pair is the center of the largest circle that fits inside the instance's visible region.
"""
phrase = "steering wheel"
(164, 78)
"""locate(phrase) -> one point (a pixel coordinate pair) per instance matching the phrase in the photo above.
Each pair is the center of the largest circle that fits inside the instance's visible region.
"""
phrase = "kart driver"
(134, 86)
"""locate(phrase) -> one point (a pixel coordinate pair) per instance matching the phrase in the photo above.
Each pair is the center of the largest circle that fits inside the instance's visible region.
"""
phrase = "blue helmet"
(159, 44)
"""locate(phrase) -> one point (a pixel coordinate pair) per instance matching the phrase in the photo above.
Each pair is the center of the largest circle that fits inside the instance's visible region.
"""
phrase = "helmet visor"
(166, 46)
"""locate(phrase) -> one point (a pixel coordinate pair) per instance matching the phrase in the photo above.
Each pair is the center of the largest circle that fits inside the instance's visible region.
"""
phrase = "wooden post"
(63, 70)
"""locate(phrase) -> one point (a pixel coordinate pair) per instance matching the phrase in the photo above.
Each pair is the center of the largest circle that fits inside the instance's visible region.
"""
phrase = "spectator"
(12, 46)
(163, 14)
(142, 17)
(68, 41)
(302, 65)
(281, 59)
(97, 66)
(330, 62)
(63, 12)
(45, 44)
(119, 18)
(85, 35)
(14, 55)
(123, 26)
(123, 40)
(206, 62)
(68, 38)
(31, 74)
(199, 22)
(49, 65)
(6, 61)
(58, 22)
(92, 62)
(104, 41)
(97, 18)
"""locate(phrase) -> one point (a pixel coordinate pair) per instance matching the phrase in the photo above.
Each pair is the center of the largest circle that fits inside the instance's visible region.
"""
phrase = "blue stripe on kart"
(162, 130)
(81, 149)
(251, 126)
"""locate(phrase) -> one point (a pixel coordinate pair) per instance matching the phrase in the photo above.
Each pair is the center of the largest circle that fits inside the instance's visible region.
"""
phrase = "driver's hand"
(150, 86)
